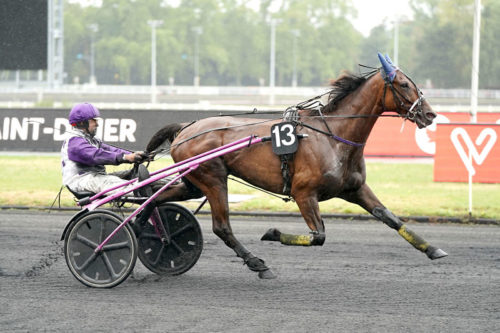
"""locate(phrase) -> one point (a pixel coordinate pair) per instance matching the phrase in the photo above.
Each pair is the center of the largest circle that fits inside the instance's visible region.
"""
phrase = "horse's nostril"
(430, 115)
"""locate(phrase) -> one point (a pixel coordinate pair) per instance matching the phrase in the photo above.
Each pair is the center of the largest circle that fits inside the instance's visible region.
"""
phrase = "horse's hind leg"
(180, 191)
(216, 193)
(309, 209)
(366, 199)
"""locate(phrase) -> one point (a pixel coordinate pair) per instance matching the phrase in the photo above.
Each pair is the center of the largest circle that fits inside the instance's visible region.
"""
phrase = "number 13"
(286, 131)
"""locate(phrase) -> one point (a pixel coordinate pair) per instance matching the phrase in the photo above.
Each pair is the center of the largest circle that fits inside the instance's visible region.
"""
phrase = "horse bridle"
(416, 106)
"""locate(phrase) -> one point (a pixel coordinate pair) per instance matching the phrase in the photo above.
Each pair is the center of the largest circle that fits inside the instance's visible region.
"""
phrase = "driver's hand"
(136, 157)
(141, 156)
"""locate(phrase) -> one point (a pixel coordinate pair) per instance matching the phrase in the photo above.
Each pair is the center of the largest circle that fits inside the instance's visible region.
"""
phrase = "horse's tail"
(167, 133)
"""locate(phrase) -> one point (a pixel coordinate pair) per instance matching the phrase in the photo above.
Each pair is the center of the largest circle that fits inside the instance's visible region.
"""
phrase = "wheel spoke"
(165, 221)
(116, 246)
(87, 262)
(109, 267)
(158, 257)
(181, 230)
(177, 247)
(102, 236)
(86, 241)
(149, 235)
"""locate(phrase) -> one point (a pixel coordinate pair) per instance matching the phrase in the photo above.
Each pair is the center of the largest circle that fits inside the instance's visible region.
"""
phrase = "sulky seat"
(82, 194)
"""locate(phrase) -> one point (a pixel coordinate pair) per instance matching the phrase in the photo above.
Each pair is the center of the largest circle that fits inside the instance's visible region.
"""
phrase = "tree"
(489, 64)
(234, 45)
(444, 49)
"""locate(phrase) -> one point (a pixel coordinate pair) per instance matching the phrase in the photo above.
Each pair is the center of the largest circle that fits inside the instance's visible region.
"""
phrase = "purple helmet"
(83, 111)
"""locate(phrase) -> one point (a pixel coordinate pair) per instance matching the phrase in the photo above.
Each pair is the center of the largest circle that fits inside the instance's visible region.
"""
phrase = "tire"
(184, 244)
(114, 263)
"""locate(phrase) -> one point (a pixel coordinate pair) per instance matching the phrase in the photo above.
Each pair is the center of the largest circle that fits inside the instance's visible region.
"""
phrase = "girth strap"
(285, 173)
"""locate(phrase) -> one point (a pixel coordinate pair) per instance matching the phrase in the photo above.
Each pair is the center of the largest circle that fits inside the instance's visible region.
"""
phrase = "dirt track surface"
(365, 278)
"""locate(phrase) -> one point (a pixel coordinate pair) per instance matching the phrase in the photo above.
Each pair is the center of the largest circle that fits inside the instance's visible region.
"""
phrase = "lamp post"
(197, 32)
(153, 24)
(93, 30)
(272, 61)
(475, 61)
(396, 42)
(399, 20)
(296, 34)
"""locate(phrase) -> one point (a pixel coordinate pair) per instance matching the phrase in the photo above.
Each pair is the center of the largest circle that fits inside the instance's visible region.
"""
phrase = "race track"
(365, 278)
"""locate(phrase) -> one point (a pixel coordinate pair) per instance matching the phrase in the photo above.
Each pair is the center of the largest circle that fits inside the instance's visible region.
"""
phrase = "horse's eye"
(405, 85)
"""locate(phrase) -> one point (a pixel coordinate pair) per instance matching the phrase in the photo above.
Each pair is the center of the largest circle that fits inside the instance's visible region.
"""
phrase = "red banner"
(387, 140)
(467, 148)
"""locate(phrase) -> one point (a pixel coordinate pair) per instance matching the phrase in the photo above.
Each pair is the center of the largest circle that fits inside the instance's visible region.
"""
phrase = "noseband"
(401, 99)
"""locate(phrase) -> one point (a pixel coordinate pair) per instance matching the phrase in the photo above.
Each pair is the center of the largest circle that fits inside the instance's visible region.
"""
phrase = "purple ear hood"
(389, 60)
(388, 68)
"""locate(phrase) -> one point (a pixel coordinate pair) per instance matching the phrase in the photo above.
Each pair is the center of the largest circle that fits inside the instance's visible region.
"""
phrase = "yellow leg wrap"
(304, 240)
(413, 238)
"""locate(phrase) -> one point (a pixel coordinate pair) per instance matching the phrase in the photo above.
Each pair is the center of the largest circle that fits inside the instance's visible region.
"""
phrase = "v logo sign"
(472, 151)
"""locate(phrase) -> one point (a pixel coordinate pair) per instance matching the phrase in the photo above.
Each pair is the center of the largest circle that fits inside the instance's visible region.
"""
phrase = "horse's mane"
(343, 86)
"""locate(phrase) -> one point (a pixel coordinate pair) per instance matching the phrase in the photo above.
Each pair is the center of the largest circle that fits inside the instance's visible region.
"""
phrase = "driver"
(84, 156)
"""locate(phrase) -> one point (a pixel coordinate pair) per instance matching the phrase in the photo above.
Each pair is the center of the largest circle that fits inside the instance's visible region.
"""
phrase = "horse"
(328, 161)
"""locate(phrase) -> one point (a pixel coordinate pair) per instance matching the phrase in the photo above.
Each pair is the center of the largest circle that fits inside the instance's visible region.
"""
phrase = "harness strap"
(328, 127)
(285, 173)
(259, 189)
(336, 137)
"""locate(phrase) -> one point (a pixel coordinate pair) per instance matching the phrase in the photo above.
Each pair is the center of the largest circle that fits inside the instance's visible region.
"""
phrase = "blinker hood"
(388, 69)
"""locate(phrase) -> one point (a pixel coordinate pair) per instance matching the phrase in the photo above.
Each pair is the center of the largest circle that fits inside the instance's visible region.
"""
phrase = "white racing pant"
(97, 182)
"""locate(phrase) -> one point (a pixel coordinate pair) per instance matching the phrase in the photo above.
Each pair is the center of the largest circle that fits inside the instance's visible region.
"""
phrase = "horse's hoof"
(256, 264)
(267, 274)
(318, 238)
(436, 253)
(271, 235)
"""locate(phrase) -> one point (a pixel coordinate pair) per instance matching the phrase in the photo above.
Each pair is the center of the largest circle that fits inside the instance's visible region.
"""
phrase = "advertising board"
(388, 140)
(467, 149)
(43, 130)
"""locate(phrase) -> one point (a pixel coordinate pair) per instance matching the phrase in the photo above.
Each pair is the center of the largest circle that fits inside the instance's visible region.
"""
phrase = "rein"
(220, 129)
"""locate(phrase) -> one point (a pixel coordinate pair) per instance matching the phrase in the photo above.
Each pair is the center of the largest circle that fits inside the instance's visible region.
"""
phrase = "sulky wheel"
(113, 264)
(182, 247)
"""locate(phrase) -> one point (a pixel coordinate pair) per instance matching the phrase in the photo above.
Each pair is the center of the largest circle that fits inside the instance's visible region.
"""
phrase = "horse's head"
(406, 99)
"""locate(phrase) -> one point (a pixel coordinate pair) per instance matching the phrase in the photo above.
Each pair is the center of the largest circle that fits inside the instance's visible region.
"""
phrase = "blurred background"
(237, 52)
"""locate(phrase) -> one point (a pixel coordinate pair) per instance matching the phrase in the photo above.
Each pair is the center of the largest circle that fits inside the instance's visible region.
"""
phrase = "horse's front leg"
(216, 194)
(367, 199)
(309, 209)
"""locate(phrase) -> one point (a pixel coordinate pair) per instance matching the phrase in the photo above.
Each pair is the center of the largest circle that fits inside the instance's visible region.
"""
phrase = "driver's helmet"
(82, 112)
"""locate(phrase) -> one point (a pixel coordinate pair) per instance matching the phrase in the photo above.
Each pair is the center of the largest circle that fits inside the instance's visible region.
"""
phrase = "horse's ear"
(388, 69)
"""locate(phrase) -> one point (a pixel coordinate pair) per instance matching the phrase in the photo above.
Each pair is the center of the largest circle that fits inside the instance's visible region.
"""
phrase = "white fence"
(28, 94)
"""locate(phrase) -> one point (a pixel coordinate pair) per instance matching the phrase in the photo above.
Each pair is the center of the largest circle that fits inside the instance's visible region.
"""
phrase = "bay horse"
(328, 163)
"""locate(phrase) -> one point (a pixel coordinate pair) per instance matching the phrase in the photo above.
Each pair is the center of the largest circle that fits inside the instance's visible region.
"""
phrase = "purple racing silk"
(82, 154)
(82, 151)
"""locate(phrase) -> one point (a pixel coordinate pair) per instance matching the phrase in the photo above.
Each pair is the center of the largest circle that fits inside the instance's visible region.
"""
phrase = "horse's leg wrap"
(418, 242)
(315, 238)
